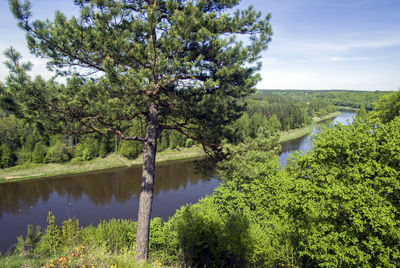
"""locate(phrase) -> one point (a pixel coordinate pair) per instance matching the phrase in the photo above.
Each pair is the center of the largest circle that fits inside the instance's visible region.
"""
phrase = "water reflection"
(96, 196)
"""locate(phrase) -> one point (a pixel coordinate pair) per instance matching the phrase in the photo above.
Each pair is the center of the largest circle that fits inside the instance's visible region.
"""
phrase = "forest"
(144, 77)
(25, 142)
(340, 98)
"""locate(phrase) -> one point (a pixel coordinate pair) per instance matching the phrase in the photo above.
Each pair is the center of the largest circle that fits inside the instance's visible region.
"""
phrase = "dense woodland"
(340, 98)
(24, 141)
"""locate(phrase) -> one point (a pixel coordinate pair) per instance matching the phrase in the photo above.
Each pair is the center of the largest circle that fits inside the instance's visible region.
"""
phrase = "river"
(304, 144)
(100, 195)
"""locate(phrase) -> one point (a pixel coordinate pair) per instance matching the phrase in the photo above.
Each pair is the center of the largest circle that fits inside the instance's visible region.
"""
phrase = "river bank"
(32, 171)
(300, 132)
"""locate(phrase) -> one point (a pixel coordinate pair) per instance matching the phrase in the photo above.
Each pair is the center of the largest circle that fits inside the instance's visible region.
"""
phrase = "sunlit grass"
(30, 171)
(301, 132)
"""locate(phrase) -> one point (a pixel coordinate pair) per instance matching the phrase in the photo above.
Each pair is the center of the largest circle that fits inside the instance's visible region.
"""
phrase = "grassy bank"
(30, 171)
(346, 108)
(301, 132)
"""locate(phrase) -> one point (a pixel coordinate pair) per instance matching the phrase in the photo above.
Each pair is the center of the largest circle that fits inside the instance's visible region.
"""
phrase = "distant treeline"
(341, 98)
(23, 141)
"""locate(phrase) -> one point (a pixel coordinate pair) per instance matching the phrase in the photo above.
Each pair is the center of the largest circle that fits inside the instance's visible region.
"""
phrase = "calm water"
(110, 194)
(96, 196)
(304, 143)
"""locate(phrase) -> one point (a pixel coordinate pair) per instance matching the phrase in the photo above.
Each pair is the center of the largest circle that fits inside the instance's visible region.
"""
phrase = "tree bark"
(147, 186)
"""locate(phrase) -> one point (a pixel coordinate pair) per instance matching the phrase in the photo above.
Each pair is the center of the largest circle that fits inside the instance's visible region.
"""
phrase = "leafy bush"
(70, 232)
(87, 149)
(51, 241)
(33, 236)
(7, 157)
(345, 197)
(130, 149)
(59, 152)
(115, 234)
(39, 153)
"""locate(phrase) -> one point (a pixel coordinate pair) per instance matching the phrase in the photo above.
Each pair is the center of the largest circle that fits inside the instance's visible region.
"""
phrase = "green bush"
(91, 148)
(345, 197)
(39, 153)
(33, 236)
(115, 234)
(130, 149)
(57, 153)
(51, 242)
(200, 236)
(70, 232)
(7, 157)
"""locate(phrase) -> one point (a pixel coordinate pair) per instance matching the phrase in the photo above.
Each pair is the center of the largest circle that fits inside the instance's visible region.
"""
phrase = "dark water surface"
(110, 194)
(96, 196)
(304, 143)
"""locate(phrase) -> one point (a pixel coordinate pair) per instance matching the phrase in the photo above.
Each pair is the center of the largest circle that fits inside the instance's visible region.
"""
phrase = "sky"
(317, 44)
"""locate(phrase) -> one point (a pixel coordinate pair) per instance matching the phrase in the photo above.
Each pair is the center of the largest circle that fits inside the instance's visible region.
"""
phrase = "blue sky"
(317, 44)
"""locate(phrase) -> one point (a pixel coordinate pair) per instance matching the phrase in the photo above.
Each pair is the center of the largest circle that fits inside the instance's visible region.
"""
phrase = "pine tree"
(173, 65)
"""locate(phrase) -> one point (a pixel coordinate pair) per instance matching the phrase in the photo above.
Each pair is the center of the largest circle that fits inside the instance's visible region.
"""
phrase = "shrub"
(130, 149)
(115, 234)
(39, 153)
(70, 232)
(7, 157)
(91, 148)
(51, 241)
(33, 236)
(59, 152)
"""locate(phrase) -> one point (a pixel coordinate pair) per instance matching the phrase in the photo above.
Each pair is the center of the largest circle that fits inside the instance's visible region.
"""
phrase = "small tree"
(173, 65)
(39, 153)
(7, 157)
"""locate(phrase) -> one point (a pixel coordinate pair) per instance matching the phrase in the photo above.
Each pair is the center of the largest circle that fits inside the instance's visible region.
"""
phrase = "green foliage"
(176, 140)
(290, 113)
(143, 62)
(261, 196)
(318, 107)
(10, 131)
(104, 148)
(130, 149)
(33, 236)
(90, 148)
(51, 241)
(7, 158)
(340, 98)
(70, 232)
(388, 107)
(207, 239)
(114, 235)
(163, 242)
(59, 152)
(39, 153)
(345, 198)
(249, 157)
(362, 114)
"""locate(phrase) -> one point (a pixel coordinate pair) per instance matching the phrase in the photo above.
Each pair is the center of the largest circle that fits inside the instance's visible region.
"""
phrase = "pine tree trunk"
(147, 187)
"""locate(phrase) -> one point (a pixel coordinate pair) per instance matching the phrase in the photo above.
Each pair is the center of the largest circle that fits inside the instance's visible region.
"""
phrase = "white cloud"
(334, 46)
(348, 58)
